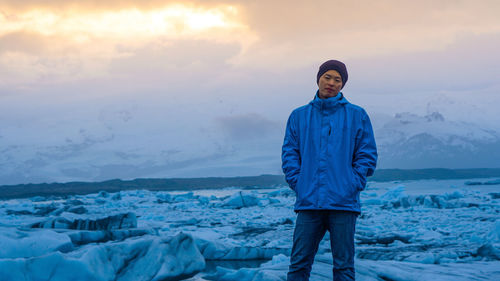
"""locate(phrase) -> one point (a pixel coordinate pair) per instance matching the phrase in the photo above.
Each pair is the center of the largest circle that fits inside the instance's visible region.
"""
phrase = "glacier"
(408, 230)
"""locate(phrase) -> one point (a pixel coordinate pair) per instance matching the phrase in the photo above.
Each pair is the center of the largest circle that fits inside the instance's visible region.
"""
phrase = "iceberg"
(145, 259)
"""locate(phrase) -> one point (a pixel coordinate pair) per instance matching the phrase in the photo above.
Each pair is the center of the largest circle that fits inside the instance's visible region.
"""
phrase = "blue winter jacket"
(328, 151)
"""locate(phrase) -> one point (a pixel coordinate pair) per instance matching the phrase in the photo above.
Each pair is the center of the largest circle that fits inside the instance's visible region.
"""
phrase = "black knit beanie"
(333, 65)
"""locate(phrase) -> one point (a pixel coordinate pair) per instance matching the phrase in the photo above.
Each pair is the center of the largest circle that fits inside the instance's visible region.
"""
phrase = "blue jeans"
(310, 228)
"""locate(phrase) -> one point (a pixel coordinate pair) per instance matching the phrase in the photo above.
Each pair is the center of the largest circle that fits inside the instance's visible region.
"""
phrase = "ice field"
(409, 230)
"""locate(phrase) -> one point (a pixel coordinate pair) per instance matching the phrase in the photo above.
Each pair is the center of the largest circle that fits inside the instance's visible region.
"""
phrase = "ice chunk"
(18, 244)
(151, 258)
(204, 200)
(246, 274)
(428, 201)
(455, 195)
(447, 201)
(249, 231)
(410, 271)
(219, 251)
(427, 235)
(276, 269)
(103, 194)
(191, 221)
(426, 258)
(45, 210)
(371, 201)
(163, 197)
(37, 198)
(18, 212)
(494, 234)
(278, 259)
(488, 251)
(120, 221)
(393, 194)
(74, 202)
(86, 237)
(77, 210)
(283, 192)
(240, 200)
(384, 238)
(184, 197)
(117, 196)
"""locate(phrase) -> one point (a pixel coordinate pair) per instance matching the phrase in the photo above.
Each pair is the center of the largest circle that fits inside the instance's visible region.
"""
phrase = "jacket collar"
(329, 103)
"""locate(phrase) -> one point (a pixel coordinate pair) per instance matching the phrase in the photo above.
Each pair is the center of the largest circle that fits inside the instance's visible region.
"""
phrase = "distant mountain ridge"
(252, 182)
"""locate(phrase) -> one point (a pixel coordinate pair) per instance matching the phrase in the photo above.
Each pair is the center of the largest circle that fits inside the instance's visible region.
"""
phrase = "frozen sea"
(408, 230)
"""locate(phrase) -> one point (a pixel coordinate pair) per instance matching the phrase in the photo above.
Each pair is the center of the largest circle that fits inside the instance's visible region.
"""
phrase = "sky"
(236, 68)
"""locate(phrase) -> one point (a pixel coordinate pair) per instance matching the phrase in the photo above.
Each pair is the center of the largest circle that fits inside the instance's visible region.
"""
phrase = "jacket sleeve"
(290, 153)
(365, 152)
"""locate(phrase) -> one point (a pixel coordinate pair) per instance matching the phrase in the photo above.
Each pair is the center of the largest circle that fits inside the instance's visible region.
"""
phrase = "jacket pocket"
(356, 182)
(297, 182)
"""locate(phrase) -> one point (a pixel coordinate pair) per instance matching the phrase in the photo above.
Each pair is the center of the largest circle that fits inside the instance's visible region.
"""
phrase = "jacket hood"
(329, 103)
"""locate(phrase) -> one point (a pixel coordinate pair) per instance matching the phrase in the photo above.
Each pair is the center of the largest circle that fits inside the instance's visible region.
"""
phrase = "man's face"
(329, 84)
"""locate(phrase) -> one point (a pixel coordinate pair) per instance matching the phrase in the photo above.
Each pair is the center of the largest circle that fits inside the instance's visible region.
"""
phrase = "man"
(328, 152)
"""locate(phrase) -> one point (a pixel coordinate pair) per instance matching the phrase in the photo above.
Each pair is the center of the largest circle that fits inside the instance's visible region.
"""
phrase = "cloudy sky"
(239, 67)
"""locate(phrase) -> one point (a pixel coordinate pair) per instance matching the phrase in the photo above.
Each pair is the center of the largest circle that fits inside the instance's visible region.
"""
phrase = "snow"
(410, 230)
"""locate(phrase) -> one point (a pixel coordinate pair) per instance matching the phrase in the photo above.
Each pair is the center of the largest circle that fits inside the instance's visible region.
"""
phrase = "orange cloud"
(55, 44)
(290, 34)
(171, 21)
(297, 33)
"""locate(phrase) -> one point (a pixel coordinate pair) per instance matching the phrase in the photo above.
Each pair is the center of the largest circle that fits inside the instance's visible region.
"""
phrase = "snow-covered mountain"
(412, 141)
(135, 141)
